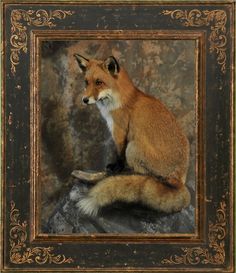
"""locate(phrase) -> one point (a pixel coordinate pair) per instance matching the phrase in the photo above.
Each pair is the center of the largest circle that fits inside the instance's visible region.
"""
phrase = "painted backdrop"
(75, 136)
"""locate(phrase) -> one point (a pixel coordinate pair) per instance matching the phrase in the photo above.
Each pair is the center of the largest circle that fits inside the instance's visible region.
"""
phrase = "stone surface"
(117, 218)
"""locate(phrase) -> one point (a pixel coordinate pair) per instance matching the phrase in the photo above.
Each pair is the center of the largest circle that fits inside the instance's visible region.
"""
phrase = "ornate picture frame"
(25, 24)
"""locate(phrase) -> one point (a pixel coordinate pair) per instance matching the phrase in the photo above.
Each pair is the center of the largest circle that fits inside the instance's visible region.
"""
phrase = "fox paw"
(88, 206)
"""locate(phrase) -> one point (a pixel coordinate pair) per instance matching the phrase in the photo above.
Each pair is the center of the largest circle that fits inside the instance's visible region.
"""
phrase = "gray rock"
(117, 218)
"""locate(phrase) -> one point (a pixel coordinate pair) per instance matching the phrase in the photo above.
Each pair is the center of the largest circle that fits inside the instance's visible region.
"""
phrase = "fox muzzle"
(88, 100)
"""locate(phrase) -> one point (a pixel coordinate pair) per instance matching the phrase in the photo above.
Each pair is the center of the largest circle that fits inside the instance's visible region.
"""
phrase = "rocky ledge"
(116, 218)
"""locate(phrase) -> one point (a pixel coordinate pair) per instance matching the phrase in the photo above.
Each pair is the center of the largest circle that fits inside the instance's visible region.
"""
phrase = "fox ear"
(112, 65)
(82, 61)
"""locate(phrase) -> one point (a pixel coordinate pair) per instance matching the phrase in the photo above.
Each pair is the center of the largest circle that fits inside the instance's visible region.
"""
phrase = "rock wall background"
(75, 136)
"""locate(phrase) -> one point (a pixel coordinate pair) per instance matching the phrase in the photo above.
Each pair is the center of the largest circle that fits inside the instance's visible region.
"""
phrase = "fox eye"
(99, 82)
(86, 82)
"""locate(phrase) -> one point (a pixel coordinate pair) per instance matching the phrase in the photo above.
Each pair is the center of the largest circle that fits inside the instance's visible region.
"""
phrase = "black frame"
(212, 250)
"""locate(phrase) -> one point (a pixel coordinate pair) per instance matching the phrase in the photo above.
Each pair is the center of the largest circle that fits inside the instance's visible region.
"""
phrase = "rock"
(116, 218)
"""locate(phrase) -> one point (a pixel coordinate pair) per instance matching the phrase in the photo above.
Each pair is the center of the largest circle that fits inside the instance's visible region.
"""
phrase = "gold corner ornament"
(20, 253)
(216, 19)
(20, 19)
(214, 254)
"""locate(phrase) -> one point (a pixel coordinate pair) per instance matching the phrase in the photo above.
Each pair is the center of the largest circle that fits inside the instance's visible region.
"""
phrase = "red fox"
(147, 138)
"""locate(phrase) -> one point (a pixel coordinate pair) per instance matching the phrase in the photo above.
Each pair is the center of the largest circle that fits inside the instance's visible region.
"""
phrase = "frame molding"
(37, 37)
(200, 255)
(20, 19)
(212, 24)
(20, 253)
(215, 19)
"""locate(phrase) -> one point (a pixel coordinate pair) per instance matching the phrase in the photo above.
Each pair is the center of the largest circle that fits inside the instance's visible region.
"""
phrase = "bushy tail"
(135, 188)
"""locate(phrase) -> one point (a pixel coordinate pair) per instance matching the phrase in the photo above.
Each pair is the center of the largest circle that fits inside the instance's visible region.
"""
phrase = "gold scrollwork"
(214, 254)
(20, 19)
(216, 19)
(20, 253)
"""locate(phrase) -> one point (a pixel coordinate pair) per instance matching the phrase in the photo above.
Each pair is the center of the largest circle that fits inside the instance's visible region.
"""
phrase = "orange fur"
(150, 138)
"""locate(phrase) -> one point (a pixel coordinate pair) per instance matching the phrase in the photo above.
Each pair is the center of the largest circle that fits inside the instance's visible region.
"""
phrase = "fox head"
(101, 81)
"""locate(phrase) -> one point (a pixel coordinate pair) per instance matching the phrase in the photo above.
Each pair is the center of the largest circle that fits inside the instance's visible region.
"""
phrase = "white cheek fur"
(109, 99)
(105, 93)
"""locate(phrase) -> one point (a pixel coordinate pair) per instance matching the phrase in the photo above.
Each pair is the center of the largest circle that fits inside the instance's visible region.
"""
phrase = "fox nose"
(85, 100)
